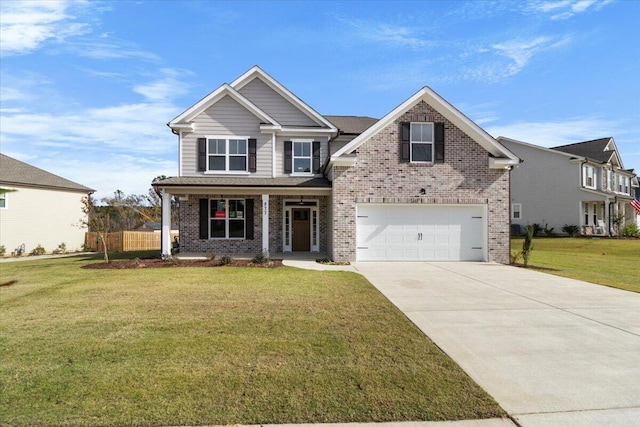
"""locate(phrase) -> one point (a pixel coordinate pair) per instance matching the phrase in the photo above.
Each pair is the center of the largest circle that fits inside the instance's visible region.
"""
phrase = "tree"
(97, 220)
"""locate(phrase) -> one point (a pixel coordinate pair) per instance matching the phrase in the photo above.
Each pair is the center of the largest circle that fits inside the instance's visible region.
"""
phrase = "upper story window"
(422, 142)
(226, 154)
(301, 157)
(589, 176)
(610, 180)
(622, 186)
(3, 200)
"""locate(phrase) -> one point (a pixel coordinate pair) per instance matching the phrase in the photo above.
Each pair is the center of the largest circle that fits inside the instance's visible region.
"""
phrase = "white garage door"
(421, 233)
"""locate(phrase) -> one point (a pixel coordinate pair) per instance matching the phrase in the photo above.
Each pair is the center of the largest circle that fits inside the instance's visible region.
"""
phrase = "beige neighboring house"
(44, 209)
(261, 171)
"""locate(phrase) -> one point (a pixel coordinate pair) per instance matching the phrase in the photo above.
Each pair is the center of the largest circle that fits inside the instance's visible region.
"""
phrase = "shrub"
(537, 229)
(527, 245)
(571, 230)
(225, 259)
(3, 250)
(62, 249)
(261, 258)
(548, 231)
(39, 250)
(631, 230)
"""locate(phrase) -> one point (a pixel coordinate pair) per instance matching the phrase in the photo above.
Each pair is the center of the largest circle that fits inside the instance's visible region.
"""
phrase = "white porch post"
(165, 245)
(265, 224)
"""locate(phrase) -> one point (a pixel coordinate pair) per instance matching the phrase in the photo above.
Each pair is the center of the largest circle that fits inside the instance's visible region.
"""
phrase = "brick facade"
(379, 177)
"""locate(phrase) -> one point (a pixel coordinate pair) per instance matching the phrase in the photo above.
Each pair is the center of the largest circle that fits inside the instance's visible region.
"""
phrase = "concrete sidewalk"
(552, 351)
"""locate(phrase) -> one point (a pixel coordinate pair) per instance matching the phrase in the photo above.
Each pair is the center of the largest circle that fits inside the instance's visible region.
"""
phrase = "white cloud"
(165, 88)
(564, 9)
(520, 51)
(27, 25)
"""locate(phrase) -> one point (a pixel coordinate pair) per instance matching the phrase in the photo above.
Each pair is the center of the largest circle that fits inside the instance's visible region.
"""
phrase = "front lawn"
(223, 345)
(610, 262)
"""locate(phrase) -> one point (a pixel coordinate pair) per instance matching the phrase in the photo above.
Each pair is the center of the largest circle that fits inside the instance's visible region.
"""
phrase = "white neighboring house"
(583, 184)
(44, 209)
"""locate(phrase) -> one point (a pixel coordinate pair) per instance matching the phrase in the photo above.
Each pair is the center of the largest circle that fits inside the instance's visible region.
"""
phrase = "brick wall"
(379, 177)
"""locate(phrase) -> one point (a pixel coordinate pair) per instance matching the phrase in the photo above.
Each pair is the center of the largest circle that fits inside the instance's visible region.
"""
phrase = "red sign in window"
(219, 214)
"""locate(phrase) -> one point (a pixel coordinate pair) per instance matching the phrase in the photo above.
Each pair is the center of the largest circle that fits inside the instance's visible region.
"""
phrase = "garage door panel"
(413, 233)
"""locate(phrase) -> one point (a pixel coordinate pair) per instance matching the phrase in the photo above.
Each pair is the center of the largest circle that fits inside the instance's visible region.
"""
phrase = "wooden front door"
(301, 230)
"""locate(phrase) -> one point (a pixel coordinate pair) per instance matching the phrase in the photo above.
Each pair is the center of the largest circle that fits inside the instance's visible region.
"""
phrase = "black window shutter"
(252, 154)
(316, 156)
(439, 142)
(204, 218)
(202, 154)
(248, 222)
(405, 142)
(287, 157)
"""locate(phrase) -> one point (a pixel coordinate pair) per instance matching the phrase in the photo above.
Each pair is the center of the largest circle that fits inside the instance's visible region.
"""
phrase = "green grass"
(201, 346)
(609, 262)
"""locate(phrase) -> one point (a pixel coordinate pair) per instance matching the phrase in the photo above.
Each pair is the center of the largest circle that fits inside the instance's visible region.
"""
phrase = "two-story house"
(261, 171)
(583, 184)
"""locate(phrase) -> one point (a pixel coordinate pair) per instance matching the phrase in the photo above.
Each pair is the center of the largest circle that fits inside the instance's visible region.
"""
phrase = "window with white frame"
(227, 219)
(226, 154)
(622, 184)
(422, 142)
(3, 200)
(302, 157)
(589, 173)
(516, 211)
(610, 180)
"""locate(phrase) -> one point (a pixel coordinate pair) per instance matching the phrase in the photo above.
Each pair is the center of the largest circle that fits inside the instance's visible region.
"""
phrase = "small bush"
(514, 258)
(212, 257)
(261, 258)
(631, 230)
(537, 229)
(62, 249)
(225, 259)
(548, 231)
(3, 250)
(39, 250)
(571, 230)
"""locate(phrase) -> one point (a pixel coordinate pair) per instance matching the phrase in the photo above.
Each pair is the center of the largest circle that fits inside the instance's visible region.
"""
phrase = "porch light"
(423, 192)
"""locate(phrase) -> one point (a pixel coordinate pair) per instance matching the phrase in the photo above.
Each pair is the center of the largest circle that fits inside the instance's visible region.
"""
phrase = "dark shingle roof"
(593, 149)
(15, 172)
(351, 124)
(210, 181)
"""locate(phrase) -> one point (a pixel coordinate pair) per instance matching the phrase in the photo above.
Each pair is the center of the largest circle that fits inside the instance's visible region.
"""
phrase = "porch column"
(165, 245)
(265, 224)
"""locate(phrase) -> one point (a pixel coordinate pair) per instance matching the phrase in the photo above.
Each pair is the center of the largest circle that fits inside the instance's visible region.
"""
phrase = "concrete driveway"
(552, 351)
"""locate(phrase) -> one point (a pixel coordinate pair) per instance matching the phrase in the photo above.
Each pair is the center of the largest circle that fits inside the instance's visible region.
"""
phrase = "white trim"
(265, 224)
(294, 157)
(288, 209)
(412, 142)
(227, 218)
(166, 223)
(426, 94)
(227, 155)
(257, 72)
(513, 211)
(273, 155)
(214, 97)
(180, 153)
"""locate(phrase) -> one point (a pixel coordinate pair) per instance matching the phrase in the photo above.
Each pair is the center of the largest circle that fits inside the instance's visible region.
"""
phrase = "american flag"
(636, 206)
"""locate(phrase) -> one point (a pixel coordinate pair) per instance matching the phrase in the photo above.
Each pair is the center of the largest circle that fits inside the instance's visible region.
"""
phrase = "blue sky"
(87, 87)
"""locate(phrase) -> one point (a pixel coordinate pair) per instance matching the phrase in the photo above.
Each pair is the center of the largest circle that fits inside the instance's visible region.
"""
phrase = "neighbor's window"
(301, 157)
(3, 200)
(610, 180)
(226, 154)
(589, 176)
(622, 184)
(422, 142)
(227, 217)
(516, 211)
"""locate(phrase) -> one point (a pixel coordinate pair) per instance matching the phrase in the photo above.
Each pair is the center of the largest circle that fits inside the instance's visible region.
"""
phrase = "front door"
(301, 230)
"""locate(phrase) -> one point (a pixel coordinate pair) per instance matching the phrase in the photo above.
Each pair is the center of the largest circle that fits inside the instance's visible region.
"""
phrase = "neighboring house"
(44, 209)
(583, 184)
(260, 170)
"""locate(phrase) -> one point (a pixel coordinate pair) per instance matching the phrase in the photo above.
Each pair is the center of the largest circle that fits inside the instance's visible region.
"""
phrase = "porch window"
(586, 214)
(227, 219)
(226, 154)
(589, 176)
(422, 142)
(516, 211)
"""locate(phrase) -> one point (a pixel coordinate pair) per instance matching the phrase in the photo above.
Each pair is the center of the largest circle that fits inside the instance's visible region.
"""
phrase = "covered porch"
(606, 217)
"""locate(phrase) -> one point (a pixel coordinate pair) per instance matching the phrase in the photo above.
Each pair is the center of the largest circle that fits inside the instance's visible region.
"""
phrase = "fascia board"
(302, 131)
(538, 147)
(216, 96)
(256, 71)
(447, 110)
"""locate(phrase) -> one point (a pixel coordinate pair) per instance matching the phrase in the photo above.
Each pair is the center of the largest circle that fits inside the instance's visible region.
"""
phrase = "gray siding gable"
(275, 104)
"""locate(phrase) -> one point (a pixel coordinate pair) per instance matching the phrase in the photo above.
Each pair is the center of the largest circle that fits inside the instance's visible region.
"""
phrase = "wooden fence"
(122, 241)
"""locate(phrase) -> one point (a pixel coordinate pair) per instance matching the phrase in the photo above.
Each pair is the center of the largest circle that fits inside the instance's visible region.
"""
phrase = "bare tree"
(97, 220)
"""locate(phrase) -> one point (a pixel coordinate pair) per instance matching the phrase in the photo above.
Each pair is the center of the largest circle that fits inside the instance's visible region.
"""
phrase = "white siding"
(275, 105)
(226, 117)
(42, 217)
(547, 185)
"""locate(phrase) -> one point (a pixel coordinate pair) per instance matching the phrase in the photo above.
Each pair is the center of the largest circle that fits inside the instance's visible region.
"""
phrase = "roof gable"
(15, 172)
(257, 72)
(225, 90)
(602, 150)
(502, 157)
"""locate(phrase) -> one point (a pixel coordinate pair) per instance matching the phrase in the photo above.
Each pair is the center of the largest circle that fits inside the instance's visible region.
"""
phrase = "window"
(589, 176)
(610, 180)
(227, 219)
(422, 142)
(622, 184)
(516, 211)
(586, 214)
(226, 154)
(301, 157)
(3, 200)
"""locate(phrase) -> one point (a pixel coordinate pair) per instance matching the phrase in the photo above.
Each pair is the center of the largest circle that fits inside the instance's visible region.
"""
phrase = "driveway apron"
(552, 351)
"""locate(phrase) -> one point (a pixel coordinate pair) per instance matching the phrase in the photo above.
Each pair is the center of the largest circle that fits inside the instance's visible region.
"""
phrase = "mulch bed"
(159, 263)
